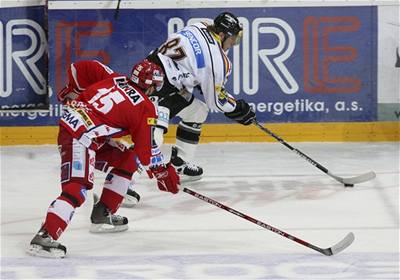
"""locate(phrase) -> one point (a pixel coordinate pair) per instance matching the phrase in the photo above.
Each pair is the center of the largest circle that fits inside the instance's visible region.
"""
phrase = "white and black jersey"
(194, 57)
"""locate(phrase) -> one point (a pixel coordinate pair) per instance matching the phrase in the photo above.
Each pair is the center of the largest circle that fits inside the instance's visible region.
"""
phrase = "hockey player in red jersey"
(114, 107)
(81, 75)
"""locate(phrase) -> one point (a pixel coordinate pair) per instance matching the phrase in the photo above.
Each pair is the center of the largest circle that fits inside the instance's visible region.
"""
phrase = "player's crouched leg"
(59, 214)
(111, 154)
(103, 218)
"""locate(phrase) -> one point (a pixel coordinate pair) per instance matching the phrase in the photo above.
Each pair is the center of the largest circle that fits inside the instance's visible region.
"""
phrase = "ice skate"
(187, 171)
(43, 245)
(103, 221)
(131, 199)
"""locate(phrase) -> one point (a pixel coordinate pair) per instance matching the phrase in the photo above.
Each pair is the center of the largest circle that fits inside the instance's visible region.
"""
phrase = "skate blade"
(38, 251)
(106, 228)
(129, 201)
(185, 178)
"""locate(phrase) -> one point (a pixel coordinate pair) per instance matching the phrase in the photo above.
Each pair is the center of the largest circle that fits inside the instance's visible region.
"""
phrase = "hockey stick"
(116, 11)
(337, 248)
(347, 182)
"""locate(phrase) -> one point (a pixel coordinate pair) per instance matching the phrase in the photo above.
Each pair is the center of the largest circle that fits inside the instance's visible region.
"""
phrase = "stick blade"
(359, 179)
(340, 246)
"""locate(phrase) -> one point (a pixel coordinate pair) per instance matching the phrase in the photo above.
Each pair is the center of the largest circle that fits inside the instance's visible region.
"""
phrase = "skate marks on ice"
(166, 231)
(207, 266)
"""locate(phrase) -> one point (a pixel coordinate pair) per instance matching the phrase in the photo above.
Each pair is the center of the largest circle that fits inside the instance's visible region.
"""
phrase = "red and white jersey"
(113, 107)
(198, 59)
(82, 74)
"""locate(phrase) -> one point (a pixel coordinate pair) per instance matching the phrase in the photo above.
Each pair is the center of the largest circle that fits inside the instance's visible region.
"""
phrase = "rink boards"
(296, 132)
(315, 73)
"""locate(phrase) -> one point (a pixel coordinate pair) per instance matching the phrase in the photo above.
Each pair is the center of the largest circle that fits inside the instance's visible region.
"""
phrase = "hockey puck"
(348, 185)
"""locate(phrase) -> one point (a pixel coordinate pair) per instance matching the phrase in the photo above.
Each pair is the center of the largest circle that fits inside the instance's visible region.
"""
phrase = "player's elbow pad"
(163, 118)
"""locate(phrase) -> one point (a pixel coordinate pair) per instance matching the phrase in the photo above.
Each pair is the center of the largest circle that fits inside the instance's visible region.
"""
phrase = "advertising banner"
(23, 58)
(389, 63)
(295, 64)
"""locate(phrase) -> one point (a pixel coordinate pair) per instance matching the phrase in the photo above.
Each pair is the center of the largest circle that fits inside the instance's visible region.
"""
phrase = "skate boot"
(131, 198)
(103, 221)
(43, 245)
(186, 171)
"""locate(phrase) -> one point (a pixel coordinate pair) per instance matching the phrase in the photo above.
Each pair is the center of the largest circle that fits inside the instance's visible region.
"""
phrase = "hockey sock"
(61, 210)
(115, 188)
(58, 217)
(189, 132)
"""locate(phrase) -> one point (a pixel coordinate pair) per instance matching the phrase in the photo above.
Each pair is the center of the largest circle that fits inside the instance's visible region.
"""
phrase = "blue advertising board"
(23, 58)
(295, 64)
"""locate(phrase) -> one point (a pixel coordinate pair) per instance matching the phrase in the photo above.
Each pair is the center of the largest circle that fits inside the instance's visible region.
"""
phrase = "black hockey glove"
(243, 113)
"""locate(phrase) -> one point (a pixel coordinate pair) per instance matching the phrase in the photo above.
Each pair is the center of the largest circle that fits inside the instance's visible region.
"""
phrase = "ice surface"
(181, 237)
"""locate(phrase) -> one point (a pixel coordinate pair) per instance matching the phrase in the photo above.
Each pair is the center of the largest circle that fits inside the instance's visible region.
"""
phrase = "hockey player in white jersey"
(196, 57)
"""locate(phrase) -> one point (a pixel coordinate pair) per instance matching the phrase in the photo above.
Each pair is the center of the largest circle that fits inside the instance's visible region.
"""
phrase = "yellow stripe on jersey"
(227, 64)
(216, 37)
(86, 119)
(151, 121)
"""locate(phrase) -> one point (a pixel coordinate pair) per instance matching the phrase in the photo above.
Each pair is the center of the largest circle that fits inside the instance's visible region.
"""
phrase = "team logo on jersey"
(222, 95)
(198, 52)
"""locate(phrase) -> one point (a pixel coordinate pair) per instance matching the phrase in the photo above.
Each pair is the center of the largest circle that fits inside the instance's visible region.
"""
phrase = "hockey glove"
(167, 179)
(243, 113)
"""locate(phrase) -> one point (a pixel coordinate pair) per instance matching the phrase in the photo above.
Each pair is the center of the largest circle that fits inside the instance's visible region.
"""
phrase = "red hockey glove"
(167, 179)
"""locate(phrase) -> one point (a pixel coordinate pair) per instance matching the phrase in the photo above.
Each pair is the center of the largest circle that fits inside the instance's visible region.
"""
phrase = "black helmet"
(227, 23)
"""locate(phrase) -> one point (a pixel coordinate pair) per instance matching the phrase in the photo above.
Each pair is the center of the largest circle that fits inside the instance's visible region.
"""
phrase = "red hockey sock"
(58, 216)
(115, 188)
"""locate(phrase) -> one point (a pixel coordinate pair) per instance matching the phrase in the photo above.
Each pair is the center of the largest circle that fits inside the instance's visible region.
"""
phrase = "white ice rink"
(182, 237)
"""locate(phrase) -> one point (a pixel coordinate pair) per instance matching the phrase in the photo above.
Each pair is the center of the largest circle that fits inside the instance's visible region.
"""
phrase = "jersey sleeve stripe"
(226, 63)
